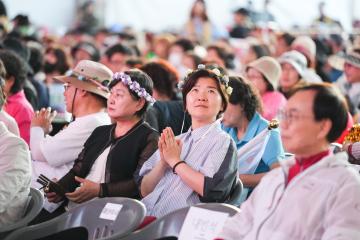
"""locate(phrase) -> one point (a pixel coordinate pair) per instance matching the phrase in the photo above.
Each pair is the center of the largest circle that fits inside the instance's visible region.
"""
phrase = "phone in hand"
(51, 186)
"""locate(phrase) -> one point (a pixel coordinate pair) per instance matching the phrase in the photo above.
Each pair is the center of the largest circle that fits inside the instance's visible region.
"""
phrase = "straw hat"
(337, 61)
(90, 76)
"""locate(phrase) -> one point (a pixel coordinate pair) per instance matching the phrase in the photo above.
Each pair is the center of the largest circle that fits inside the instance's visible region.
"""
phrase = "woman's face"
(289, 76)
(249, 57)
(257, 79)
(198, 9)
(203, 101)
(121, 105)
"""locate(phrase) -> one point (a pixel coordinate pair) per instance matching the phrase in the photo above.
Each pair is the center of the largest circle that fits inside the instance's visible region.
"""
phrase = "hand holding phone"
(51, 186)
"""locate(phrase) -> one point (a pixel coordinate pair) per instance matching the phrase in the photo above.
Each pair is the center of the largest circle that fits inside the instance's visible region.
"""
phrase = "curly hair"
(246, 95)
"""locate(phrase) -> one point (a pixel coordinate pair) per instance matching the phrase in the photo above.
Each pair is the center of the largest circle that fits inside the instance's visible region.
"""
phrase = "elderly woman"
(265, 73)
(199, 165)
(293, 66)
(112, 156)
(243, 122)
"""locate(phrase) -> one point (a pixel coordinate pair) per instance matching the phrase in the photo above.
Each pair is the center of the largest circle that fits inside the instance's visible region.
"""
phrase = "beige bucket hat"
(90, 76)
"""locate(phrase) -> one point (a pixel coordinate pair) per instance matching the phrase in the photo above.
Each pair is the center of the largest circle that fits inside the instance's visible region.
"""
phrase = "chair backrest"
(235, 195)
(170, 225)
(87, 216)
(34, 206)
(335, 147)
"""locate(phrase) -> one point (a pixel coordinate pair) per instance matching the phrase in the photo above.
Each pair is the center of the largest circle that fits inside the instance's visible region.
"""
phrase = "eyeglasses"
(291, 116)
(66, 86)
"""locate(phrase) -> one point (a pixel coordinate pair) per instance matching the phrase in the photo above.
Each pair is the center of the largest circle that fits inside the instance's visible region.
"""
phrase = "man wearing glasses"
(313, 195)
(85, 97)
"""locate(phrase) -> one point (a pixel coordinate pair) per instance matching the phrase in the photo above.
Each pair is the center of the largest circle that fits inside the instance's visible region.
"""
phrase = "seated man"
(243, 122)
(15, 173)
(314, 194)
(54, 155)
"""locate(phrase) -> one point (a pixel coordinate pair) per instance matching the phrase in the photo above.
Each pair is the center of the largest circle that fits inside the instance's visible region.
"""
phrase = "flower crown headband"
(224, 79)
(134, 86)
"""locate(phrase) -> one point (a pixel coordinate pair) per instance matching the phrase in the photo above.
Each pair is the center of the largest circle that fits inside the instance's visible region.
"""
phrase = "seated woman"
(199, 165)
(243, 123)
(112, 156)
(265, 73)
(293, 65)
(5, 118)
(15, 173)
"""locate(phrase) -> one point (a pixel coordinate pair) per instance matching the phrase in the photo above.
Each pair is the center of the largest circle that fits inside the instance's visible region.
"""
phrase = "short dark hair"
(260, 50)
(144, 81)
(2, 84)
(36, 60)
(118, 48)
(62, 64)
(288, 38)
(15, 67)
(164, 77)
(225, 56)
(246, 95)
(191, 80)
(330, 104)
(185, 44)
(89, 47)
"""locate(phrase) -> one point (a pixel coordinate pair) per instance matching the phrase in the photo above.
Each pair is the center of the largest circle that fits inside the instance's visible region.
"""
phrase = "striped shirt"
(205, 150)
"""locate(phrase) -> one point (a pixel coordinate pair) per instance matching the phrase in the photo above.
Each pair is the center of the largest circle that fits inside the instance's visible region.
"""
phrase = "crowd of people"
(166, 122)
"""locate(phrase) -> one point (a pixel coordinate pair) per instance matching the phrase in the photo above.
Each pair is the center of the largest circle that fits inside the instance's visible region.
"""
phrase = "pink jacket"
(272, 102)
(323, 202)
(21, 110)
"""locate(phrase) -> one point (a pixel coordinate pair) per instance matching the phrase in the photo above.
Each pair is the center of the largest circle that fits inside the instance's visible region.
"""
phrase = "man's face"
(299, 131)
(352, 73)
(69, 95)
(117, 62)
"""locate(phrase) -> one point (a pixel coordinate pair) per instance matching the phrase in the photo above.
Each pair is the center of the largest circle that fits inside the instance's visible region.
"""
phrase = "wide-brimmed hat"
(90, 76)
(338, 60)
(295, 59)
(269, 68)
(305, 45)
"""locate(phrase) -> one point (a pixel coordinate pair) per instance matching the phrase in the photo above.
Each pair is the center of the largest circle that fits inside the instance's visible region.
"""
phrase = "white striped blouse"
(204, 149)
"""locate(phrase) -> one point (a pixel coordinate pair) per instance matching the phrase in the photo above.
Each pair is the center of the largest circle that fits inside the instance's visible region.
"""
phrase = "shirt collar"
(3, 129)
(16, 96)
(198, 133)
(252, 128)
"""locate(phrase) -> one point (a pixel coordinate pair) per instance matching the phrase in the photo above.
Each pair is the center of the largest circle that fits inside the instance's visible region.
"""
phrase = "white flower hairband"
(224, 79)
(134, 86)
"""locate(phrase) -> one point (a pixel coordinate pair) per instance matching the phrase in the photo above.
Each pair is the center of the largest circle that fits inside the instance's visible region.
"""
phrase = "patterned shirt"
(208, 150)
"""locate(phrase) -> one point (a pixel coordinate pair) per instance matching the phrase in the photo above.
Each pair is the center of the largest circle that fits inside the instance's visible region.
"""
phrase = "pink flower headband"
(134, 86)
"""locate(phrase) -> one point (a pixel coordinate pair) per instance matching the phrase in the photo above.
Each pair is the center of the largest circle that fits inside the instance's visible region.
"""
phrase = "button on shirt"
(204, 149)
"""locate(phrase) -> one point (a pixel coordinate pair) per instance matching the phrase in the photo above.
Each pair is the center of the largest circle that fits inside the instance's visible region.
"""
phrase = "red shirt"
(304, 163)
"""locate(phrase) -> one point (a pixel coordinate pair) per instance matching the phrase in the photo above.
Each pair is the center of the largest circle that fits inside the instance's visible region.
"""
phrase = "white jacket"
(15, 176)
(323, 202)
